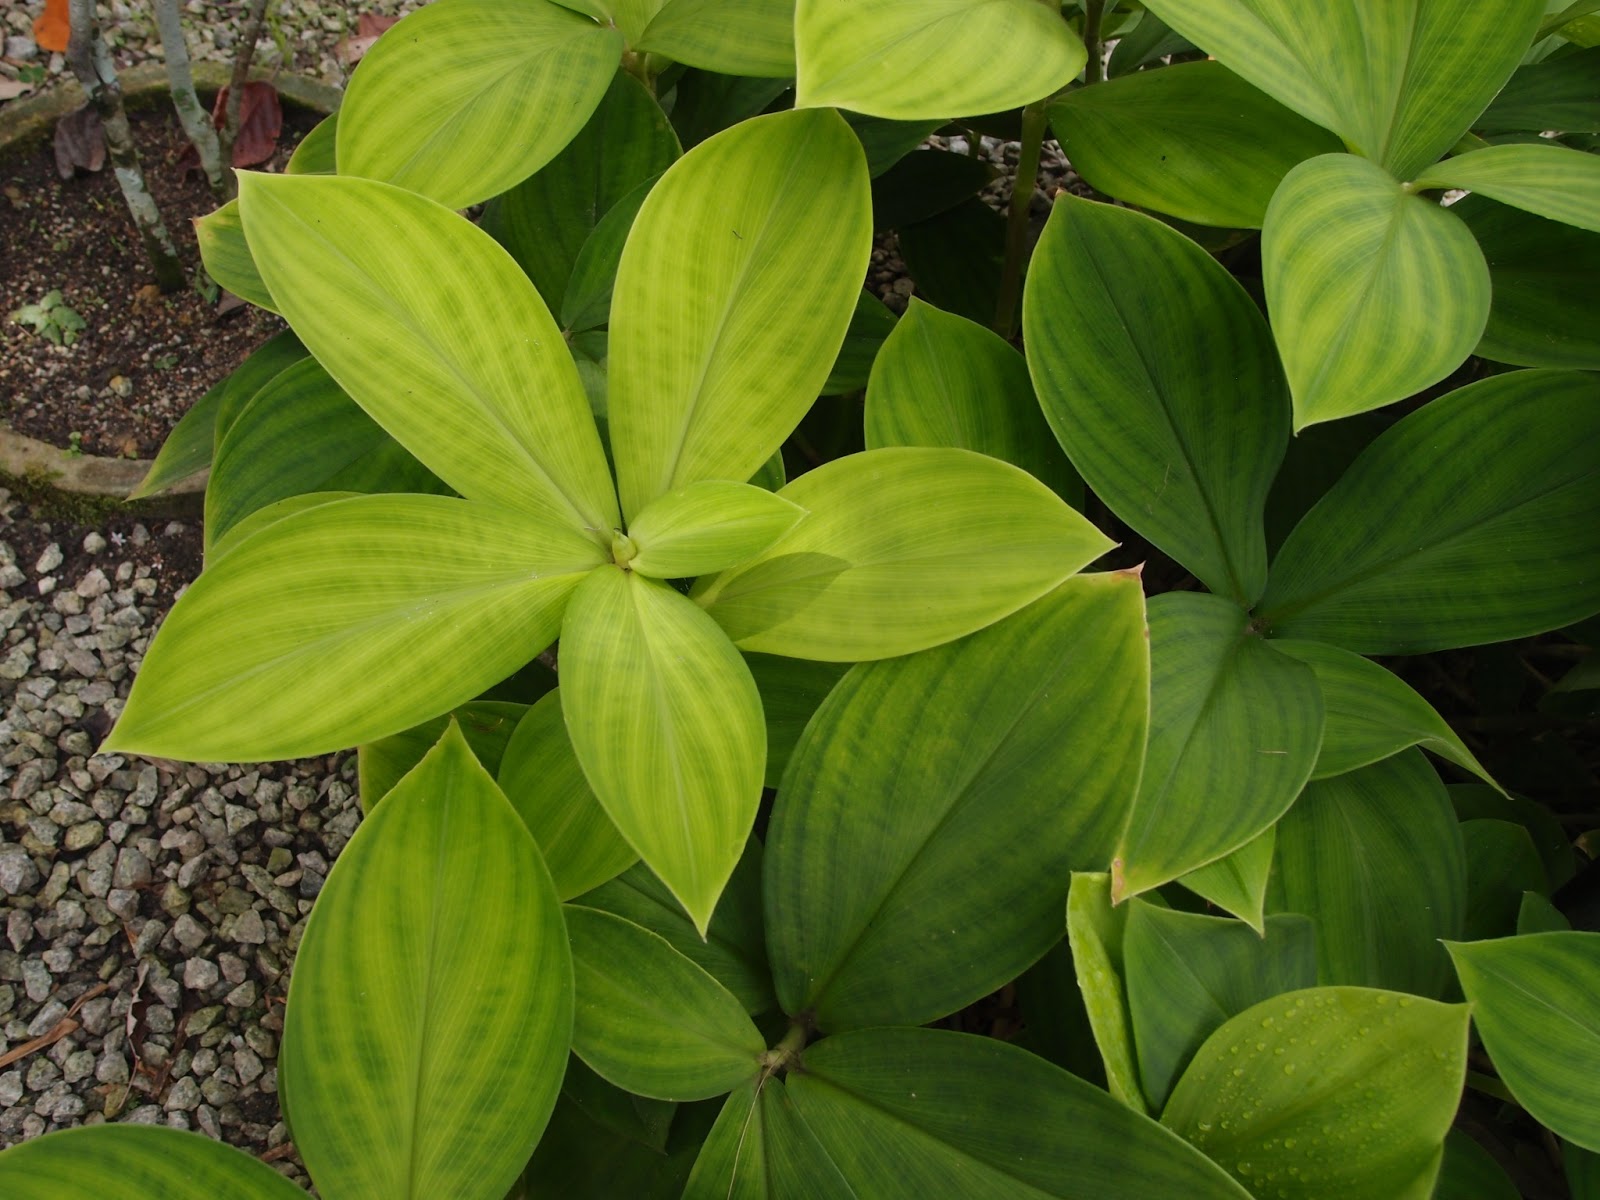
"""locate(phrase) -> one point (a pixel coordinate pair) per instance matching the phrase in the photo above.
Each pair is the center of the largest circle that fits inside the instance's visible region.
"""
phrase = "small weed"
(51, 317)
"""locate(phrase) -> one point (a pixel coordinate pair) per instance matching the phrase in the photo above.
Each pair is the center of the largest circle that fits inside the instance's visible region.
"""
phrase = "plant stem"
(1034, 120)
(91, 63)
(1094, 12)
(241, 75)
(1489, 1086)
(192, 116)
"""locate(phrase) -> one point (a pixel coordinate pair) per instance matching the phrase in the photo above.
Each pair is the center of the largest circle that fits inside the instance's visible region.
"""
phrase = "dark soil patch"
(171, 549)
(143, 357)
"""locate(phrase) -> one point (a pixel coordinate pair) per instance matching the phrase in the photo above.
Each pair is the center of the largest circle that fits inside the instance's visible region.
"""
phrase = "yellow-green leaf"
(708, 526)
(1545, 179)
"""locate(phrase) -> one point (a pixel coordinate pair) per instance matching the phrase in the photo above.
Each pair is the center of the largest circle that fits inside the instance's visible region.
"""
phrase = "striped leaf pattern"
(1374, 292)
(431, 1007)
(1237, 882)
(226, 255)
(1545, 179)
(130, 1160)
(747, 38)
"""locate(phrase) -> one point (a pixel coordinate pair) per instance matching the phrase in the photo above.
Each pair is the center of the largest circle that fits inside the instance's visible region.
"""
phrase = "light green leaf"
(1399, 80)
(1370, 713)
(792, 689)
(907, 1114)
(302, 434)
(1543, 275)
(1157, 373)
(189, 446)
(486, 724)
(226, 255)
(733, 950)
(1193, 140)
(1096, 933)
(271, 515)
(1548, 180)
(316, 153)
(1558, 93)
(651, 1021)
(311, 635)
(136, 1161)
(473, 96)
(1237, 882)
(908, 59)
(416, 1060)
(1374, 292)
(587, 301)
(1536, 1002)
(540, 775)
(1188, 974)
(667, 724)
(733, 37)
(1234, 729)
(867, 575)
(1020, 743)
(712, 361)
(708, 526)
(1376, 858)
(1475, 519)
(1502, 867)
(452, 351)
(942, 380)
(548, 218)
(1343, 1091)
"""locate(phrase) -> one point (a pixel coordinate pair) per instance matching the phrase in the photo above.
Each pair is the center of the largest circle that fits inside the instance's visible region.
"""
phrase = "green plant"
(1197, 837)
(52, 318)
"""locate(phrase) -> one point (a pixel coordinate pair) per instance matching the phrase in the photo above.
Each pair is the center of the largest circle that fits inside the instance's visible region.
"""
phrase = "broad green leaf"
(1234, 730)
(761, 1149)
(1096, 933)
(667, 724)
(1536, 1002)
(1188, 974)
(629, 16)
(486, 724)
(226, 255)
(733, 950)
(311, 635)
(733, 37)
(713, 362)
(1020, 743)
(136, 1161)
(1316, 459)
(548, 218)
(1237, 882)
(1370, 713)
(317, 152)
(452, 351)
(586, 304)
(912, 1113)
(1475, 519)
(1543, 275)
(1548, 180)
(1536, 914)
(1336, 1091)
(431, 1007)
(1502, 867)
(792, 689)
(867, 575)
(1158, 375)
(1150, 39)
(651, 1021)
(1474, 801)
(581, 1159)
(1559, 93)
(1374, 291)
(1376, 858)
(1469, 1172)
(942, 380)
(956, 259)
(1193, 140)
(1399, 80)
(271, 515)
(540, 774)
(190, 445)
(870, 327)
(707, 526)
(1582, 1169)
(473, 96)
(301, 434)
(908, 59)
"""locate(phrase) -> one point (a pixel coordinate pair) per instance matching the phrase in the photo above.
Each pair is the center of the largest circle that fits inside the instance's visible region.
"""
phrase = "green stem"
(1034, 120)
(1094, 12)
(1489, 1086)
(634, 64)
(786, 1051)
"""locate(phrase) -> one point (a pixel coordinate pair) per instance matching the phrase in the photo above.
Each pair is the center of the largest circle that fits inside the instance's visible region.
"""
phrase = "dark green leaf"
(870, 326)
(955, 258)
(1502, 867)
(1558, 93)
(486, 724)
(925, 184)
(791, 690)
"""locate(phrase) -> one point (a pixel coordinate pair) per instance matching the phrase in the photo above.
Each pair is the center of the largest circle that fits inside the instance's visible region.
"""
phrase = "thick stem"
(192, 115)
(245, 55)
(1094, 12)
(1034, 120)
(91, 63)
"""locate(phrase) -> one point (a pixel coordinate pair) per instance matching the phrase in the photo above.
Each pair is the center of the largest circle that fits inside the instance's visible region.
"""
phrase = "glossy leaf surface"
(416, 1063)
(853, 580)
(1475, 519)
(1020, 743)
(473, 96)
(708, 526)
(1234, 730)
(667, 724)
(347, 604)
(1157, 373)
(1374, 292)
(138, 1160)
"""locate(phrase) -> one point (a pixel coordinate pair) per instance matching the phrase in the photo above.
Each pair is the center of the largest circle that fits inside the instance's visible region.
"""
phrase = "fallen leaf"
(80, 143)
(10, 89)
(372, 24)
(369, 26)
(53, 27)
(58, 1031)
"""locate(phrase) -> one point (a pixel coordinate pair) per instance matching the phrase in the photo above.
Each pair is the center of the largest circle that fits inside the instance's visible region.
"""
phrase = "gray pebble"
(18, 875)
(200, 974)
